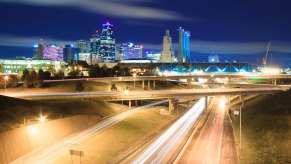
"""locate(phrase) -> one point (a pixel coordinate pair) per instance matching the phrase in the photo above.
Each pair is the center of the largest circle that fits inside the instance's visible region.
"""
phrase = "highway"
(159, 150)
(49, 154)
(149, 94)
(206, 147)
(202, 147)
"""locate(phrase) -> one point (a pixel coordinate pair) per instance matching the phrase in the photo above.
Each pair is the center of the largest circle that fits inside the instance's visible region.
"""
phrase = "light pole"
(240, 123)
(5, 81)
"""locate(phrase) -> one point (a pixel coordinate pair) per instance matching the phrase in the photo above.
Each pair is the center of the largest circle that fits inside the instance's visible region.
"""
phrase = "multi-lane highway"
(161, 148)
(152, 94)
(206, 147)
(203, 146)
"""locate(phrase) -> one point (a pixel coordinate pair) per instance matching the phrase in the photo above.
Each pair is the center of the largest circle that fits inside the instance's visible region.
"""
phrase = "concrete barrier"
(16, 143)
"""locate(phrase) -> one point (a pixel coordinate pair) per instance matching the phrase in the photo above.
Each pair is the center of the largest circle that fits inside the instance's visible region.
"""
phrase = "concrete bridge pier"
(274, 81)
(129, 103)
(189, 83)
(149, 84)
(206, 102)
(154, 84)
(241, 100)
(142, 84)
(172, 105)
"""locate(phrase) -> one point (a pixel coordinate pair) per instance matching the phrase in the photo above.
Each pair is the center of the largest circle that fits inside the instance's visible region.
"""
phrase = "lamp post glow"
(42, 119)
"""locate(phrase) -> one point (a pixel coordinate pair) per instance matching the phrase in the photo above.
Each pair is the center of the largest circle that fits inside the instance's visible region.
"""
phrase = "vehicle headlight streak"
(158, 150)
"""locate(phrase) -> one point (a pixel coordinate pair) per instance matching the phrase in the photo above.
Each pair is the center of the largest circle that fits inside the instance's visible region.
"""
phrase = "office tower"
(107, 43)
(83, 46)
(38, 50)
(167, 55)
(69, 53)
(95, 48)
(184, 46)
(119, 52)
(132, 51)
(83, 49)
(53, 52)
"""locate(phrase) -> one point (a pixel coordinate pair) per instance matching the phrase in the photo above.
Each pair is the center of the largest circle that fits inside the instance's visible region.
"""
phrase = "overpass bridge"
(151, 80)
(171, 95)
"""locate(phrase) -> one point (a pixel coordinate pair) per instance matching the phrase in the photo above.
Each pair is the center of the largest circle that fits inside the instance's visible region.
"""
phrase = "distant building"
(131, 51)
(83, 46)
(107, 43)
(17, 66)
(152, 55)
(85, 57)
(184, 46)
(213, 59)
(167, 55)
(70, 53)
(53, 52)
(119, 52)
(38, 50)
(95, 48)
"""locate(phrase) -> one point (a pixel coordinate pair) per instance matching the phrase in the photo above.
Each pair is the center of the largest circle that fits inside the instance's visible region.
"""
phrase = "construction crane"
(265, 59)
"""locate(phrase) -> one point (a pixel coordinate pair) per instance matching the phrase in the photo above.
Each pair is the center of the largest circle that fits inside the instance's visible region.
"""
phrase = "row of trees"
(104, 71)
(33, 78)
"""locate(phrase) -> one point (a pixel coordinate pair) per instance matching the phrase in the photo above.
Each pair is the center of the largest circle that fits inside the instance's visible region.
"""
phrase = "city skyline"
(225, 29)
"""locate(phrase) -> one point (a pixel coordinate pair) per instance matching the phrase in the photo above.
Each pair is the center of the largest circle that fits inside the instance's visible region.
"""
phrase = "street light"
(126, 91)
(42, 119)
(5, 81)
(222, 102)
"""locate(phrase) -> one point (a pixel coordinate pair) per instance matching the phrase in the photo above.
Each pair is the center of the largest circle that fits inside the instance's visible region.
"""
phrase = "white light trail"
(160, 148)
(49, 154)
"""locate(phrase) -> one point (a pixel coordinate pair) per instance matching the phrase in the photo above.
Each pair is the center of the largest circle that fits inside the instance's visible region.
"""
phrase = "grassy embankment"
(15, 113)
(111, 144)
(266, 130)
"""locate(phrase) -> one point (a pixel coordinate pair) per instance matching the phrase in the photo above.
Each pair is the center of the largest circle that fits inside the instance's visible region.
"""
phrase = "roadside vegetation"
(15, 113)
(266, 130)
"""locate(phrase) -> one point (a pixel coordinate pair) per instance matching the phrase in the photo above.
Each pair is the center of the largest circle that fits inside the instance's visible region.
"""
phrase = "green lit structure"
(17, 66)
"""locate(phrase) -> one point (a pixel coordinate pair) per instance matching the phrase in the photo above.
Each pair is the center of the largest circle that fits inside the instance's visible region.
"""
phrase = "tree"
(116, 70)
(34, 82)
(25, 78)
(104, 70)
(60, 75)
(125, 71)
(74, 73)
(94, 71)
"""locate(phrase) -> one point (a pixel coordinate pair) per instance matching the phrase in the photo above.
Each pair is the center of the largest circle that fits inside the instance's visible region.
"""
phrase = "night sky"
(234, 29)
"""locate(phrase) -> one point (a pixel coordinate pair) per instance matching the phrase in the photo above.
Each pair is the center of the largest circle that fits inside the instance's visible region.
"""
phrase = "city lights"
(42, 119)
(222, 102)
(271, 70)
(32, 130)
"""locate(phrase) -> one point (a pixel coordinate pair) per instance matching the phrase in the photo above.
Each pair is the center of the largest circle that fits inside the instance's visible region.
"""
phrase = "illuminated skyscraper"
(83, 46)
(132, 51)
(107, 43)
(84, 49)
(167, 55)
(53, 52)
(184, 46)
(38, 50)
(95, 48)
(69, 53)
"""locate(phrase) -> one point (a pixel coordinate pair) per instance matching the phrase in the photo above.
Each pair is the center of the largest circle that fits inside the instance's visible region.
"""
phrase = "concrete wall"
(18, 142)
